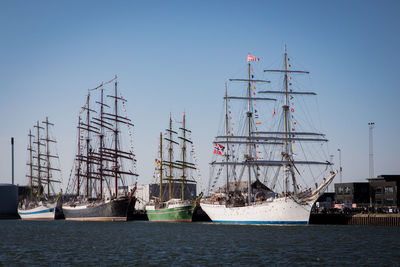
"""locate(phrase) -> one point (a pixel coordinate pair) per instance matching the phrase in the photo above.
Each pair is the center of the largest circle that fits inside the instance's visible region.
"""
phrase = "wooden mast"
(170, 158)
(227, 145)
(116, 167)
(79, 158)
(87, 146)
(249, 114)
(101, 144)
(286, 114)
(30, 162)
(38, 157)
(183, 157)
(48, 155)
(161, 169)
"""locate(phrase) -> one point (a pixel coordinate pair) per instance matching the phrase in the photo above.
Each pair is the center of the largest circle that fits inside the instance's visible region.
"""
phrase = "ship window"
(347, 190)
(340, 190)
(388, 189)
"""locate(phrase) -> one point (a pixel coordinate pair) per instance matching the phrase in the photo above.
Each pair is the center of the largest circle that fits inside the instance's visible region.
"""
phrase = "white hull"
(278, 211)
(41, 212)
(281, 210)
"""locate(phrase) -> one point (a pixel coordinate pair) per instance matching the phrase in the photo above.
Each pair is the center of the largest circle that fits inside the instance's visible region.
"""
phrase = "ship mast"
(88, 162)
(227, 145)
(286, 117)
(183, 156)
(161, 169)
(30, 149)
(48, 154)
(49, 168)
(116, 167)
(78, 174)
(248, 160)
(171, 165)
(39, 180)
(249, 115)
(170, 158)
(101, 135)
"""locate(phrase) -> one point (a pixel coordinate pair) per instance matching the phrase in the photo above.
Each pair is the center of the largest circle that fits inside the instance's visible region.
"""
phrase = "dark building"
(325, 201)
(384, 191)
(353, 193)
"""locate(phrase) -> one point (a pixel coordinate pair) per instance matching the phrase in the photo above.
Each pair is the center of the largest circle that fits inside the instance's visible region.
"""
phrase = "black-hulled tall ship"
(43, 199)
(103, 171)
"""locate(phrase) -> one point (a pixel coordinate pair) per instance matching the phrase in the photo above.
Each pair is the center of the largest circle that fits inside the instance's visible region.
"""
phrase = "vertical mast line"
(161, 169)
(79, 157)
(227, 144)
(286, 114)
(183, 157)
(88, 145)
(170, 158)
(48, 156)
(116, 141)
(249, 133)
(38, 156)
(101, 144)
(30, 162)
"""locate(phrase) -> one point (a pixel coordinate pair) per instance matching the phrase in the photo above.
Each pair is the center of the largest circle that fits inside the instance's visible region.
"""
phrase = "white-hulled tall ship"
(250, 152)
(43, 201)
(103, 171)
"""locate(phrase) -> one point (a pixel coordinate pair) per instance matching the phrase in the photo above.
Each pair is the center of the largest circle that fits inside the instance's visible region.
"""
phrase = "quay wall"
(356, 219)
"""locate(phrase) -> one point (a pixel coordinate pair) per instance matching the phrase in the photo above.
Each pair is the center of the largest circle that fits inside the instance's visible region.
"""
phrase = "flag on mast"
(251, 58)
(218, 149)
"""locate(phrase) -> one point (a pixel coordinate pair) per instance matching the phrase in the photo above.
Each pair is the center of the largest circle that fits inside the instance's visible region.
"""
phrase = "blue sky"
(172, 56)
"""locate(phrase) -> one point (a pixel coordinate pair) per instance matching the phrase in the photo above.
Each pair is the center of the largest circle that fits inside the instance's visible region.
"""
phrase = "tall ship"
(43, 198)
(102, 183)
(265, 155)
(180, 170)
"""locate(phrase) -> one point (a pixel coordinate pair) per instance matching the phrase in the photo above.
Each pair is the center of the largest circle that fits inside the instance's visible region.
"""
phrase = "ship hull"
(278, 211)
(183, 213)
(44, 212)
(115, 210)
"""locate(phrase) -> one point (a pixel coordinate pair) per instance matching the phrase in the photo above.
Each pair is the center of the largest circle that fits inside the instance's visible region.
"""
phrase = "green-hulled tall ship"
(177, 171)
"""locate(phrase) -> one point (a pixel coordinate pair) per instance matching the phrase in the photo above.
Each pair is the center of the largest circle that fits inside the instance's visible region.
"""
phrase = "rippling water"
(191, 244)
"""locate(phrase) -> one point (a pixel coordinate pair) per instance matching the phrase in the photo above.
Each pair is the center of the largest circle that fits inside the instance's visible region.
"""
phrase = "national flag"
(251, 58)
(218, 149)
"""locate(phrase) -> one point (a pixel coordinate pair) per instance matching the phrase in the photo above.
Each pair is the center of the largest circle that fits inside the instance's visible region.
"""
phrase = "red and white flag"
(218, 149)
(251, 58)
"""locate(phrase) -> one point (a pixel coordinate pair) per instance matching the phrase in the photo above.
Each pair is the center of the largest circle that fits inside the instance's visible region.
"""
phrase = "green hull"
(180, 214)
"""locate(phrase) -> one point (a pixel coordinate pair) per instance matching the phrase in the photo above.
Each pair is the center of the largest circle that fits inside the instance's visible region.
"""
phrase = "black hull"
(115, 210)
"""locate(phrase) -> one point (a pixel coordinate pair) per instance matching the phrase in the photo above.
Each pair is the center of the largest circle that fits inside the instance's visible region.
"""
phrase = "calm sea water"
(192, 244)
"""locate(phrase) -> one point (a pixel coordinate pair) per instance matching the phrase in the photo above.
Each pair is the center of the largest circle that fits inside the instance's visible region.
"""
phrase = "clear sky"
(172, 56)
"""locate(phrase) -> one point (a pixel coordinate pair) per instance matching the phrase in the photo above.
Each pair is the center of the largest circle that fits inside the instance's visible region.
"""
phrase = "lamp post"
(331, 161)
(12, 160)
(371, 149)
(340, 164)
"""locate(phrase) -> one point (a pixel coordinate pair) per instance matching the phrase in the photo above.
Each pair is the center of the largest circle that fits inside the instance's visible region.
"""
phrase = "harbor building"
(378, 193)
(352, 195)
(8, 201)
(384, 191)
